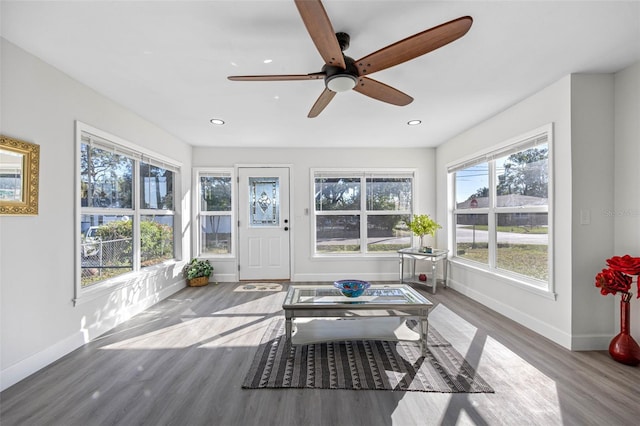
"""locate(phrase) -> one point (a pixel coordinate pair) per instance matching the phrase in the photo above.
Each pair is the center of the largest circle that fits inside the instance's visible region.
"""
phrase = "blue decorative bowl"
(352, 288)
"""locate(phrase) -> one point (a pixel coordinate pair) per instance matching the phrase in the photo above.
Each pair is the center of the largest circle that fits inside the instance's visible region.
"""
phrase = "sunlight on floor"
(516, 382)
(518, 385)
(232, 325)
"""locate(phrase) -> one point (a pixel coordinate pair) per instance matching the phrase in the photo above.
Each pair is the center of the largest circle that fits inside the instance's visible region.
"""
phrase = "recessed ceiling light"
(216, 121)
(268, 61)
(414, 122)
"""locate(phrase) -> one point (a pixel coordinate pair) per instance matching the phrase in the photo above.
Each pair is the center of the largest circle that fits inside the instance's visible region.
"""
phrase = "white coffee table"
(320, 313)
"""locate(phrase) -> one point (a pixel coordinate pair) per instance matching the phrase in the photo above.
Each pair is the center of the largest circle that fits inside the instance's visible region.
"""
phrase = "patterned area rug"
(366, 364)
(259, 287)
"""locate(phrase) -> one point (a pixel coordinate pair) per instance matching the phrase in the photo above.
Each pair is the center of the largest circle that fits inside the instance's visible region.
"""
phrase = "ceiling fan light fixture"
(342, 73)
(341, 82)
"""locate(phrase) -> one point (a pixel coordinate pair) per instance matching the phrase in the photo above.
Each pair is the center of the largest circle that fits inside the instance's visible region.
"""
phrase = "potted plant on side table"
(197, 272)
(422, 225)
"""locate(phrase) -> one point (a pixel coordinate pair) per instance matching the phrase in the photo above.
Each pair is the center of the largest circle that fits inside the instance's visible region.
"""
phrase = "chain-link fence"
(102, 259)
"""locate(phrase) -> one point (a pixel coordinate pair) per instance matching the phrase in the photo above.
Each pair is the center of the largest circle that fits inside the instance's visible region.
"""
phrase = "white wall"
(551, 318)
(581, 108)
(592, 98)
(626, 212)
(38, 322)
(305, 267)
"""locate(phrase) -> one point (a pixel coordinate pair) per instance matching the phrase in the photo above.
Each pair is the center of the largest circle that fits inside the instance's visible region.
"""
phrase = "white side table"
(414, 255)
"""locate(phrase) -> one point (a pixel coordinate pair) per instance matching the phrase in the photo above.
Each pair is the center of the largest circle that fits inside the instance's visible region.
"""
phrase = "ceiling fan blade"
(414, 46)
(380, 91)
(319, 27)
(321, 103)
(283, 77)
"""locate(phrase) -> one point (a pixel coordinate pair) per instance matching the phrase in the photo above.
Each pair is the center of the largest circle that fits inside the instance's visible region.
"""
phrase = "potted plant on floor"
(197, 272)
(422, 225)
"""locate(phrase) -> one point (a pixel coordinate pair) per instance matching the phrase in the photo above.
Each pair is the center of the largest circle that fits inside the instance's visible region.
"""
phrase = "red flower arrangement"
(618, 278)
(627, 264)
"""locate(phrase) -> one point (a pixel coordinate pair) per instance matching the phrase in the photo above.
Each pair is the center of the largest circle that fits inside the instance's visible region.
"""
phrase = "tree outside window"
(501, 214)
(215, 189)
(362, 212)
(111, 219)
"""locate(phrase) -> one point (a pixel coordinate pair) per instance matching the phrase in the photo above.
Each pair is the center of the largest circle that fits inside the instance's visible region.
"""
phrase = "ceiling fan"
(342, 73)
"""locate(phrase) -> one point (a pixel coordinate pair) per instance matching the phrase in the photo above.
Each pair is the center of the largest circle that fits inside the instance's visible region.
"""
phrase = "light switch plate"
(585, 217)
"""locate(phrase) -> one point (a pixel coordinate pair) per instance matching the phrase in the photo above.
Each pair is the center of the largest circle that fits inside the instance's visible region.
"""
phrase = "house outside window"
(502, 209)
(360, 212)
(215, 212)
(127, 211)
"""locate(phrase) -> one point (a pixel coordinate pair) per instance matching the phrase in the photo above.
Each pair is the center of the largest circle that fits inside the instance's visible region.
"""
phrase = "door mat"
(259, 287)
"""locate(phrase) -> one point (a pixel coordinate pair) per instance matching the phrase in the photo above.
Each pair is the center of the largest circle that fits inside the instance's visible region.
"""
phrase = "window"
(127, 208)
(360, 212)
(214, 212)
(501, 212)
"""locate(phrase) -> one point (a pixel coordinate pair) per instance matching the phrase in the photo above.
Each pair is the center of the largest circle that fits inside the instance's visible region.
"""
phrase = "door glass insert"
(264, 201)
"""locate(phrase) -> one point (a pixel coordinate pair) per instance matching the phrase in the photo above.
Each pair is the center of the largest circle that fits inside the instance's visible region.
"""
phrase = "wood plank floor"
(182, 362)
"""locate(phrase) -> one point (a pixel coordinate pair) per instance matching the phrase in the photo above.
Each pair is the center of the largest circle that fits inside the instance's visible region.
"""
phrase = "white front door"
(263, 229)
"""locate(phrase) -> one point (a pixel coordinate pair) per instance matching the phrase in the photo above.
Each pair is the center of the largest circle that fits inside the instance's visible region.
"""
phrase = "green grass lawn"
(525, 259)
(513, 229)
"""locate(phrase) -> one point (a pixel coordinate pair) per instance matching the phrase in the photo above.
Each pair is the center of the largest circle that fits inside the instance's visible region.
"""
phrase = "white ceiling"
(168, 62)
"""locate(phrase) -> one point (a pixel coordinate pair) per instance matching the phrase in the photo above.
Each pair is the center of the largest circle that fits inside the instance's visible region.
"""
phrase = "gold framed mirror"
(19, 172)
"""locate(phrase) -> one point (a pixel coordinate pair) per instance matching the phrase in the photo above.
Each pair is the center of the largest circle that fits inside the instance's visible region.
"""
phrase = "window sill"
(506, 278)
(218, 257)
(352, 256)
(112, 285)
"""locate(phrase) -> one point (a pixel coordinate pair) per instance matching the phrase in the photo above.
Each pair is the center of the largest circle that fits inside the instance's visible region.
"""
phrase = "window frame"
(106, 140)
(520, 143)
(198, 213)
(362, 212)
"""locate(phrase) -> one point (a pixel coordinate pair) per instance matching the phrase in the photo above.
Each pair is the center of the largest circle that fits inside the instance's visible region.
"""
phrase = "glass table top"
(378, 295)
(436, 253)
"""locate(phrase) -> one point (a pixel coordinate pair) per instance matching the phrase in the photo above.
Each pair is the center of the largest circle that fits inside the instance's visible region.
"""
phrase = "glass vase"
(623, 348)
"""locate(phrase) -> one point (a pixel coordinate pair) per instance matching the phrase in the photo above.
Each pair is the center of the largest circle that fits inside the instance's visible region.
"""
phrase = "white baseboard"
(593, 342)
(225, 278)
(26, 367)
(315, 277)
(334, 276)
(545, 329)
